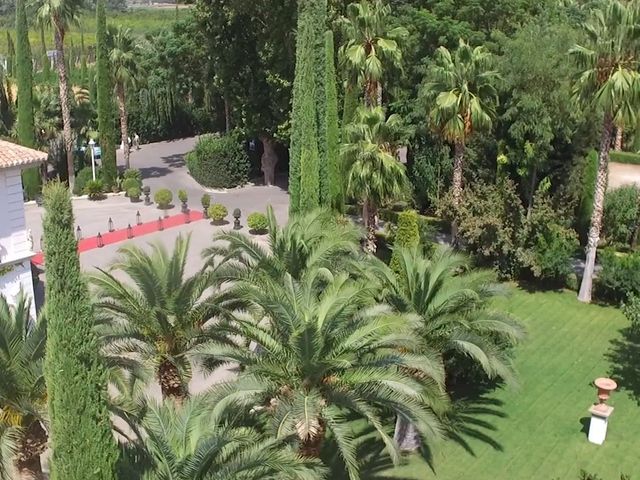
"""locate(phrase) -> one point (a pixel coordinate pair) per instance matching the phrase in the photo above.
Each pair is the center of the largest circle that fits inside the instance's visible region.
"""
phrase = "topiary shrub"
(619, 276)
(94, 189)
(83, 176)
(163, 198)
(219, 161)
(407, 236)
(257, 223)
(129, 183)
(217, 212)
(620, 214)
(182, 196)
(134, 194)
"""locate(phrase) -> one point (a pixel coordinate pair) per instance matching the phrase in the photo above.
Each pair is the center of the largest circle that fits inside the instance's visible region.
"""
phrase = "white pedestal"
(599, 422)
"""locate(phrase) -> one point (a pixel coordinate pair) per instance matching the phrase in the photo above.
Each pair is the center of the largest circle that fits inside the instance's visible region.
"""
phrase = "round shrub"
(620, 213)
(257, 222)
(182, 196)
(93, 189)
(129, 183)
(219, 161)
(163, 198)
(217, 212)
(134, 192)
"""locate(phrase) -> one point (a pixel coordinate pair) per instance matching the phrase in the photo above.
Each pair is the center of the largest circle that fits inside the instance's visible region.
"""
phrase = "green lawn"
(541, 435)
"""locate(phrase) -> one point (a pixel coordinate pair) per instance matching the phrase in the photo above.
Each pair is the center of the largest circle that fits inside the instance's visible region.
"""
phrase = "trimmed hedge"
(219, 161)
(624, 157)
(257, 222)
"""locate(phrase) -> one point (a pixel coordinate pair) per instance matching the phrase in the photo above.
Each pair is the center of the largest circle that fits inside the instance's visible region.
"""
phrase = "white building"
(15, 244)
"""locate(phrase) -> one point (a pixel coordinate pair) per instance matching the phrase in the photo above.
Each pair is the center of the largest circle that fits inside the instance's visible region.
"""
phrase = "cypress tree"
(11, 56)
(331, 187)
(106, 118)
(24, 79)
(80, 429)
(83, 61)
(407, 236)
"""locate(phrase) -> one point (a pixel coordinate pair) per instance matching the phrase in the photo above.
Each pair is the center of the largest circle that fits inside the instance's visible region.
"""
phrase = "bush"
(257, 222)
(430, 174)
(133, 173)
(624, 157)
(134, 192)
(620, 214)
(94, 189)
(163, 198)
(205, 200)
(129, 183)
(619, 276)
(631, 310)
(219, 162)
(217, 212)
(83, 176)
(407, 235)
(182, 196)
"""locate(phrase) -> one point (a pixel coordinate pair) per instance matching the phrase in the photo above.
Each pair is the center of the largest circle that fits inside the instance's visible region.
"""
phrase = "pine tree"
(80, 431)
(106, 117)
(332, 179)
(24, 79)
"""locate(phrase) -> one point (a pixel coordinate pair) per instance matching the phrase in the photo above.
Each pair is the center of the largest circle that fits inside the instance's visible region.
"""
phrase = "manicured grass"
(542, 435)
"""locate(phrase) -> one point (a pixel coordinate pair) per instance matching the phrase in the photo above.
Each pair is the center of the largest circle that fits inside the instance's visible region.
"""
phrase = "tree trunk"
(598, 204)
(124, 124)
(63, 82)
(619, 136)
(171, 383)
(369, 217)
(227, 114)
(458, 164)
(32, 444)
(269, 160)
(372, 93)
(406, 435)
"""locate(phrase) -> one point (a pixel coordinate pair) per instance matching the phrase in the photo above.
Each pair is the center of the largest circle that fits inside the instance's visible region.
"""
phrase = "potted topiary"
(134, 194)
(257, 223)
(163, 198)
(217, 213)
(205, 200)
(182, 196)
(94, 189)
(129, 183)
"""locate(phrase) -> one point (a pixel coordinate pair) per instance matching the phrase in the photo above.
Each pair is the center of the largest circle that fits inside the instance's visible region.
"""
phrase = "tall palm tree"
(310, 240)
(158, 315)
(124, 68)
(371, 47)
(451, 304)
(324, 349)
(189, 443)
(375, 176)
(609, 82)
(461, 95)
(23, 397)
(60, 14)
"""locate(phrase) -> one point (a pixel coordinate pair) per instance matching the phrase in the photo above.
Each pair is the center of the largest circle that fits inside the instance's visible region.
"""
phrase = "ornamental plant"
(94, 189)
(257, 222)
(182, 196)
(217, 212)
(163, 198)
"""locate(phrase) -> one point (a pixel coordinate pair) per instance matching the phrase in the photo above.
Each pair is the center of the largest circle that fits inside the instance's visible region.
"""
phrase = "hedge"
(219, 161)
(624, 157)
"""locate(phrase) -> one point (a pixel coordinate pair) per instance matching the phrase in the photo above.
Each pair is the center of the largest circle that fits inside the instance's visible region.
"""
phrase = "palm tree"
(375, 175)
(159, 316)
(23, 397)
(325, 350)
(310, 240)
(59, 14)
(609, 82)
(370, 48)
(190, 443)
(452, 307)
(124, 68)
(461, 96)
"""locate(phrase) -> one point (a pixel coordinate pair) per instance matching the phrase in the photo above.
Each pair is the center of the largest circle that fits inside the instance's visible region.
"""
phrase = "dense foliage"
(74, 373)
(619, 275)
(621, 215)
(219, 161)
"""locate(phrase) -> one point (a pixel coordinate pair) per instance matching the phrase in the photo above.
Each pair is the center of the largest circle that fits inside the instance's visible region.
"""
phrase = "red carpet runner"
(109, 238)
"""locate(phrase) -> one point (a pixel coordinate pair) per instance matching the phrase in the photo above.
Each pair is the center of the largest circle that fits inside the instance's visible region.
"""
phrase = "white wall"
(14, 247)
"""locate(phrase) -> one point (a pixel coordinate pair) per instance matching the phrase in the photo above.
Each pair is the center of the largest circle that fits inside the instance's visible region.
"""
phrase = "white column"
(599, 421)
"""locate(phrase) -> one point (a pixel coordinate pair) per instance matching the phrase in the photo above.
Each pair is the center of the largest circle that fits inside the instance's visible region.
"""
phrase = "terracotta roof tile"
(12, 155)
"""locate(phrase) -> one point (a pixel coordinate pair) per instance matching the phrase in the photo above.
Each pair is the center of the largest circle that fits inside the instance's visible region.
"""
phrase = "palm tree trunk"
(63, 82)
(406, 435)
(171, 383)
(598, 204)
(619, 136)
(124, 124)
(458, 164)
(269, 159)
(227, 114)
(369, 217)
(32, 444)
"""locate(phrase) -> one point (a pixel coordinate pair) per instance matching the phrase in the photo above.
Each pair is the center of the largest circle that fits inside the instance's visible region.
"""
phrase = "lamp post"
(92, 143)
